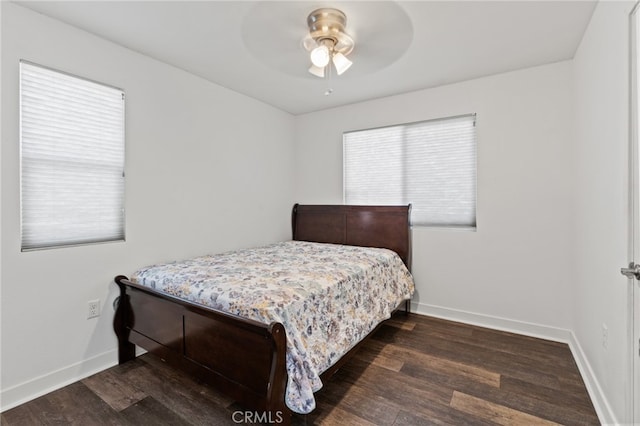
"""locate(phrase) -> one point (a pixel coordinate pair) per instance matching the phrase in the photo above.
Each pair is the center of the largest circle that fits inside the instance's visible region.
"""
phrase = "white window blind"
(72, 159)
(430, 164)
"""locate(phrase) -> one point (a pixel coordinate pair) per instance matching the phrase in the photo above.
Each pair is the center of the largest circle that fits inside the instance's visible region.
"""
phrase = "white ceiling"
(255, 47)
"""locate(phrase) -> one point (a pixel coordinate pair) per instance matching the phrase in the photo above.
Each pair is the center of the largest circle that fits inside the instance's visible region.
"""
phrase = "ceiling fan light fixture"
(317, 71)
(327, 41)
(341, 63)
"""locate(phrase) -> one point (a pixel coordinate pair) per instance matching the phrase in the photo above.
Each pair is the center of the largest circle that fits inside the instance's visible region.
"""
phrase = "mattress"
(328, 297)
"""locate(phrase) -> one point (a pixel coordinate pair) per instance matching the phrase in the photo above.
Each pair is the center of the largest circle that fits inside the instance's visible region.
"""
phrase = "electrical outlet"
(93, 308)
(605, 336)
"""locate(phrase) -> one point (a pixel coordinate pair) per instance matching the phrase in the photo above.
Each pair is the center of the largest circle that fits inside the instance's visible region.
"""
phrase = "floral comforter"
(327, 296)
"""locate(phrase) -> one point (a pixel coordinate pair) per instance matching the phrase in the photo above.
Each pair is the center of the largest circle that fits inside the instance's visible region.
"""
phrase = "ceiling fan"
(327, 42)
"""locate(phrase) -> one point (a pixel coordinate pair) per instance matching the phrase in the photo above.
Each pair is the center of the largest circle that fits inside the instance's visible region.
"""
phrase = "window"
(430, 164)
(72, 159)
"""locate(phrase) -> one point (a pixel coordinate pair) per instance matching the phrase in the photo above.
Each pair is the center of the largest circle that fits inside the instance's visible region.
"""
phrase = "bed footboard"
(243, 358)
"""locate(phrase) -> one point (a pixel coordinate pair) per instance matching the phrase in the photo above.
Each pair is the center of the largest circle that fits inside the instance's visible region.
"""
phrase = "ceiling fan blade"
(309, 43)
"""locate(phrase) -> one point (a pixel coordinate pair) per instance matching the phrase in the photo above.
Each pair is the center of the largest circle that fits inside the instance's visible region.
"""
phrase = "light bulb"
(320, 56)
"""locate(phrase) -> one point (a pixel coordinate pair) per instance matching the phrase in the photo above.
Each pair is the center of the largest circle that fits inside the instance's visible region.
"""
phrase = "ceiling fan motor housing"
(327, 26)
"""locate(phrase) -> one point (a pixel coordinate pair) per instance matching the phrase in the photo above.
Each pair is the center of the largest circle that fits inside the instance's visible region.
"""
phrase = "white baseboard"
(24, 392)
(496, 323)
(599, 400)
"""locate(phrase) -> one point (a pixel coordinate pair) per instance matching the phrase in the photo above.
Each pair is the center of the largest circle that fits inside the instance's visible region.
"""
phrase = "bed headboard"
(366, 226)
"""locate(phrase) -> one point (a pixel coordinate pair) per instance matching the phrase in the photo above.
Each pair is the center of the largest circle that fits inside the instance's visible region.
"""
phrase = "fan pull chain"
(328, 78)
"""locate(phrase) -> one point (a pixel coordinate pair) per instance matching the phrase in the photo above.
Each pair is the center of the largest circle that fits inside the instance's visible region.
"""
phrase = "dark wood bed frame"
(244, 358)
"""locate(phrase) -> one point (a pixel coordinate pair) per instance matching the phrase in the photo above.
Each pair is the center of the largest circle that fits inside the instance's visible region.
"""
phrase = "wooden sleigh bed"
(246, 359)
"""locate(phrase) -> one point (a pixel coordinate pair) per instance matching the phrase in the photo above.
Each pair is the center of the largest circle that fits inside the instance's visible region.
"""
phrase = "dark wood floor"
(416, 370)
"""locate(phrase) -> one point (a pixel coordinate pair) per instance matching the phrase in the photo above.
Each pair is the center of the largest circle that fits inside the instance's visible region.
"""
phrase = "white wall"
(207, 170)
(600, 293)
(513, 272)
